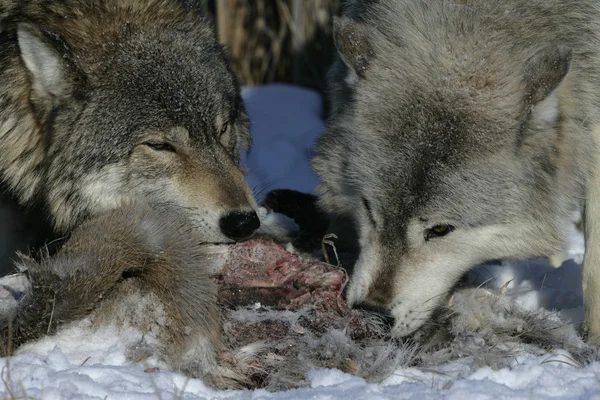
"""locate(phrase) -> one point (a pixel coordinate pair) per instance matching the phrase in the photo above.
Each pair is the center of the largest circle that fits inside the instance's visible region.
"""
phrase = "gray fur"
(151, 271)
(479, 328)
(107, 101)
(483, 116)
(111, 266)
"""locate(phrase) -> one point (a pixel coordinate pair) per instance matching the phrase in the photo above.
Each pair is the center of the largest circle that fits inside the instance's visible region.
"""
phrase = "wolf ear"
(48, 67)
(352, 42)
(544, 72)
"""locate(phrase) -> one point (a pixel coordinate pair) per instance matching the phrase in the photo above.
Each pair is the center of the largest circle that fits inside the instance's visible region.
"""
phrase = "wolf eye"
(438, 231)
(160, 146)
(224, 128)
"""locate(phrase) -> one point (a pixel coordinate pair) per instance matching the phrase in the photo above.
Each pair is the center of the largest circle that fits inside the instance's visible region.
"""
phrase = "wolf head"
(137, 99)
(445, 152)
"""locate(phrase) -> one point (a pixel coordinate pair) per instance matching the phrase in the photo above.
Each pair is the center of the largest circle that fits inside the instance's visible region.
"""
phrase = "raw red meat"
(262, 271)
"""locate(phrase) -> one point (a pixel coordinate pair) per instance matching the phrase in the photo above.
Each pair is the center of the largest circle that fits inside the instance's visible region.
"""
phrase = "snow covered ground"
(286, 121)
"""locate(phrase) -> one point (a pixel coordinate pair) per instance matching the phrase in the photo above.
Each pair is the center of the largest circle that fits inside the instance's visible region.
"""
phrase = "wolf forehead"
(156, 60)
(418, 126)
(428, 160)
(409, 144)
(190, 87)
(174, 69)
(189, 84)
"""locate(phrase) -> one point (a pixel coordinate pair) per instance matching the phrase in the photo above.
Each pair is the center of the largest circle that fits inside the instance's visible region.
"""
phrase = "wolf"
(462, 131)
(106, 101)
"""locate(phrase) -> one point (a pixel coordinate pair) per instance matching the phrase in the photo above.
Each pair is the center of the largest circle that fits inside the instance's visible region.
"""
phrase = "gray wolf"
(131, 253)
(461, 132)
(107, 101)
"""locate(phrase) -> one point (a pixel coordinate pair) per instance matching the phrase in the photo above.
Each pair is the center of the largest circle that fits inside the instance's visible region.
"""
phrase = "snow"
(90, 363)
(52, 377)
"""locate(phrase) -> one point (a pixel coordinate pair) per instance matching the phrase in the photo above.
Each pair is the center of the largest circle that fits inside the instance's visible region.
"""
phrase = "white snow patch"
(330, 377)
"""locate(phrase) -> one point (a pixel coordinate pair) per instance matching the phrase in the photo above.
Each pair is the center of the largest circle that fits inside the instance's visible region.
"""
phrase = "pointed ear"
(352, 41)
(44, 57)
(545, 71)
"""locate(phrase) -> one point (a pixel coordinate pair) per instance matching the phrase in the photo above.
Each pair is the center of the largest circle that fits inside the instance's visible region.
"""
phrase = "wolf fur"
(479, 327)
(132, 252)
(461, 132)
(106, 101)
(152, 275)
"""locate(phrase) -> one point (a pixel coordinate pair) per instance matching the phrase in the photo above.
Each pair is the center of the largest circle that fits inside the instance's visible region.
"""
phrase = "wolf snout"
(239, 225)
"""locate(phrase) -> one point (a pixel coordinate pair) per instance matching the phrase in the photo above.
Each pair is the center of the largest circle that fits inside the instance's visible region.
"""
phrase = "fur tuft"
(478, 327)
(129, 252)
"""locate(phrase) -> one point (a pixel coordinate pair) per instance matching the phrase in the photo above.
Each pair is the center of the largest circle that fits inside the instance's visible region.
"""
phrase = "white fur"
(42, 62)
(368, 263)
(276, 225)
(591, 262)
(104, 189)
(548, 109)
(425, 275)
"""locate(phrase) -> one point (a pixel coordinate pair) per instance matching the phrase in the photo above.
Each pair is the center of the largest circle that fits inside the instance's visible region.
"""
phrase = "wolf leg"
(591, 261)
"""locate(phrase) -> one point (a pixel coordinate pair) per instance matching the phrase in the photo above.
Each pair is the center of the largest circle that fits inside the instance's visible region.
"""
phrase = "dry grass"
(278, 40)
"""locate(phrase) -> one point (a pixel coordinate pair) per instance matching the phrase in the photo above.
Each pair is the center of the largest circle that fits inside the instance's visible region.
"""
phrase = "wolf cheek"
(206, 183)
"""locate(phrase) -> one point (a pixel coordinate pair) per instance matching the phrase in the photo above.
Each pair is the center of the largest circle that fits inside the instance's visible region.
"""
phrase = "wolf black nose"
(239, 224)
